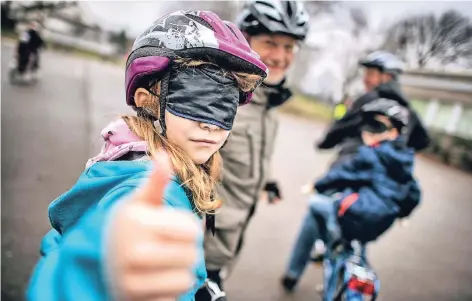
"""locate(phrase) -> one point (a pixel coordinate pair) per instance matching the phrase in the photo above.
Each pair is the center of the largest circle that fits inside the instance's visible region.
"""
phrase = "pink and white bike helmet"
(194, 35)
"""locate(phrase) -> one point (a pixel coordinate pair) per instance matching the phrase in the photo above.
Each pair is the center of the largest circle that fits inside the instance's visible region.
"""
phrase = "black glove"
(272, 189)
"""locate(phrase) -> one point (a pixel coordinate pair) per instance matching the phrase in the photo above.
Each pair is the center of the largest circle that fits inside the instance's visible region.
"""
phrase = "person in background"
(275, 30)
(28, 49)
(359, 199)
(381, 80)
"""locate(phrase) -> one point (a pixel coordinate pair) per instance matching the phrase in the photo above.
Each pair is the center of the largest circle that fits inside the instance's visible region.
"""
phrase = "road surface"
(50, 129)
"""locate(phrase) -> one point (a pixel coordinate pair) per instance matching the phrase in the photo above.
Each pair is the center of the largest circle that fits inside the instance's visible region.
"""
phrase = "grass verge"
(308, 108)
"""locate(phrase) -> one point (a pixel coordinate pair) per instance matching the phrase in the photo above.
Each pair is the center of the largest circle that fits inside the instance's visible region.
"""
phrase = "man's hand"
(308, 189)
(273, 192)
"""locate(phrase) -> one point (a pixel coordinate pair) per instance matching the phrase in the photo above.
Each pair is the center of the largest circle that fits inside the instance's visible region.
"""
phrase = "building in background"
(65, 24)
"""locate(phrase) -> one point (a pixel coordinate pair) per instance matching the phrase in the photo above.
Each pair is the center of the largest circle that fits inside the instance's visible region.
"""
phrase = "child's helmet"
(398, 114)
(194, 35)
(385, 61)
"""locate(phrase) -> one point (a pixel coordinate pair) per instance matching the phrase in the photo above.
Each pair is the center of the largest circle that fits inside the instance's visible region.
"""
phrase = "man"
(274, 30)
(381, 73)
(30, 42)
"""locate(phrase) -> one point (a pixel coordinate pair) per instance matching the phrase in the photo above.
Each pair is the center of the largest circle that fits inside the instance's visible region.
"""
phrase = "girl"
(185, 77)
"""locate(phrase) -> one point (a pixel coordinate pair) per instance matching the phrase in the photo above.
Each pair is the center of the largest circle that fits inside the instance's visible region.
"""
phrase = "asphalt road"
(50, 129)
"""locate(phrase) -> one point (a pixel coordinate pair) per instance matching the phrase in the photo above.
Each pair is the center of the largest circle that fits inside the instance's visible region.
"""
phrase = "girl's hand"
(152, 248)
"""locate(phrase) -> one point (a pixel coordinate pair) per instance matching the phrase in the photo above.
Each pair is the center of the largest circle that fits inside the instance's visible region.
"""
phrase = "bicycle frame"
(347, 275)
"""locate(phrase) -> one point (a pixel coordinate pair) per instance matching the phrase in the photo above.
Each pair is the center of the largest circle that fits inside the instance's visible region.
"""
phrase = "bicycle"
(347, 275)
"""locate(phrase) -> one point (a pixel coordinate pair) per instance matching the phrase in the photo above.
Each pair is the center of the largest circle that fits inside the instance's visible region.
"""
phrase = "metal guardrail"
(444, 102)
(466, 77)
(454, 84)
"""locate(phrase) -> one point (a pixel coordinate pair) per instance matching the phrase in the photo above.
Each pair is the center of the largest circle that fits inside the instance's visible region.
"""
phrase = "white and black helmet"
(384, 61)
(397, 113)
(274, 16)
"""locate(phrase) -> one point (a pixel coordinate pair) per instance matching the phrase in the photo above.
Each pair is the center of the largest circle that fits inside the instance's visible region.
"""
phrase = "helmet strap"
(145, 113)
(163, 102)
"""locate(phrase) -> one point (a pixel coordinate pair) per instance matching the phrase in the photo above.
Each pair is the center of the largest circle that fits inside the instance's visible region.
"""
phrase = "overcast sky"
(135, 16)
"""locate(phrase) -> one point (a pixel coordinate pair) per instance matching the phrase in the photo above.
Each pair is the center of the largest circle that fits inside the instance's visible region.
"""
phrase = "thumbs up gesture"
(151, 248)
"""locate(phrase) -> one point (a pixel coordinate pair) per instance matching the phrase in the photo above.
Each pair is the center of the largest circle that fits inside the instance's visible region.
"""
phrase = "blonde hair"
(199, 180)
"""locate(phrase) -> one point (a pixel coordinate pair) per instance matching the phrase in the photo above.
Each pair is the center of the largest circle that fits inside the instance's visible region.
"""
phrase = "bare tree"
(348, 54)
(316, 7)
(446, 38)
(359, 20)
(350, 63)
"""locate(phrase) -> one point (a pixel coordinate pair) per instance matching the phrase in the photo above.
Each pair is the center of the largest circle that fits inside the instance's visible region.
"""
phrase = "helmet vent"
(200, 20)
(229, 27)
(265, 4)
(289, 9)
(272, 18)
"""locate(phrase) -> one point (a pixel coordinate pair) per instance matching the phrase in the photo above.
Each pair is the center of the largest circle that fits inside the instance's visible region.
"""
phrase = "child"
(375, 188)
(185, 77)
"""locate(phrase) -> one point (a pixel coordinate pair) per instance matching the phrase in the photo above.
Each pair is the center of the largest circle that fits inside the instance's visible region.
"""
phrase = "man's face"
(277, 51)
(372, 78)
